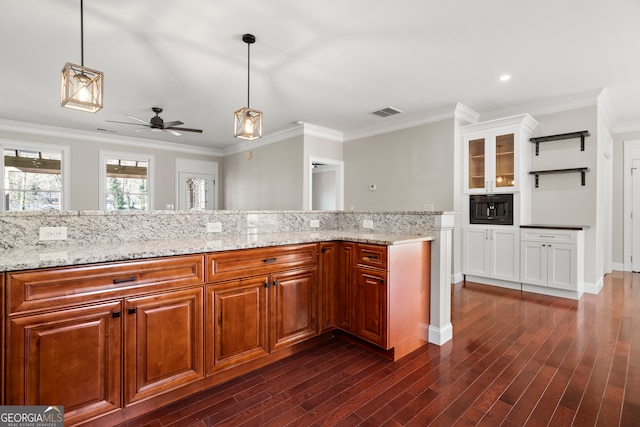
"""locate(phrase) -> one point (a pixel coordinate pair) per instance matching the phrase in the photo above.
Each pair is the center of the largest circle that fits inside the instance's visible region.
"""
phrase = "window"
(33, 177)
(125, 181)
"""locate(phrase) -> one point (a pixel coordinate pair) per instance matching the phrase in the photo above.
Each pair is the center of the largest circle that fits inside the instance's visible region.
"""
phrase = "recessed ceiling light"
(505, 77)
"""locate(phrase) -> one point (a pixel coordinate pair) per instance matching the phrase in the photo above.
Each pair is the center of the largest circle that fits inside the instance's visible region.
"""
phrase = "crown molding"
(548, 106)
(300, 129)
(81, 135)
(462, 112)
(396, 123)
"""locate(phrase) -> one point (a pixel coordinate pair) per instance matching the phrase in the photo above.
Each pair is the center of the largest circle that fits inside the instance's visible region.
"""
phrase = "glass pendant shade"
(81, 88)
(248, 124)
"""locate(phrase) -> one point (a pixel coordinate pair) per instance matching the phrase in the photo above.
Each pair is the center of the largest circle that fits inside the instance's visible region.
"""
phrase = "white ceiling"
(329, 63)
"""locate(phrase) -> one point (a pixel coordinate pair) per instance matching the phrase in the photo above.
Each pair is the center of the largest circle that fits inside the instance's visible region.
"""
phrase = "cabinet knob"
(276, 283)
(131, 310)
(115, 314)
(266, 284)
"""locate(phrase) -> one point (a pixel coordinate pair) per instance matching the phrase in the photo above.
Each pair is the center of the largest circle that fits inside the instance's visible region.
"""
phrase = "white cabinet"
(491, 252)
(494, 154)
(553, 258)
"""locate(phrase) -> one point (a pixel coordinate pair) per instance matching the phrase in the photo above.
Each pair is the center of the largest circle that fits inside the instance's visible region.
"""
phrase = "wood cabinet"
(113, 341)
(553, 258)
(491, 252)
(98, 338)
(328, 286)
(260, 301)
(495, 154)
(389, 304)
(164, 342)
(69, 357)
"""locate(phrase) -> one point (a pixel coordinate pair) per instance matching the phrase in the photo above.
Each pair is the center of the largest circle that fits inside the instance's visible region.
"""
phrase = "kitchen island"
(144, 323)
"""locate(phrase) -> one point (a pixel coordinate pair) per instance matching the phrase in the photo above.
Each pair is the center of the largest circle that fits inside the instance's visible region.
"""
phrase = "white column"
(440, 328)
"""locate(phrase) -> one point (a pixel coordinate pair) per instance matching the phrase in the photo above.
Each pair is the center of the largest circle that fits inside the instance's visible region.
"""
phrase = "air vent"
(386, 112)
(106, 130)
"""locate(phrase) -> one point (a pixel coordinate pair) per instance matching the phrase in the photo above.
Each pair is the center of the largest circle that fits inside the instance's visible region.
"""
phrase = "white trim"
(339, 181)
(65, 167)
(58, 132)
(631, 153)
(439, 336)
(102, 174)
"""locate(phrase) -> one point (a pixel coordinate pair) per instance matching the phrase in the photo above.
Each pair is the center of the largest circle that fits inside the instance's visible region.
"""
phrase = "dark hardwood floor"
(515, 360)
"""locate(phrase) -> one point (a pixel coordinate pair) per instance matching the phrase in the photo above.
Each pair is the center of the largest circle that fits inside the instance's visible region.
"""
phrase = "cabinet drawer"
(548, 235)
(51, 288)
(251, 262)
(372, 255)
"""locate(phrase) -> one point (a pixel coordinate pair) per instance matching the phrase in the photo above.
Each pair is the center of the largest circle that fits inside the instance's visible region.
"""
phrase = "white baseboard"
(440, 336)
(457, 277)
(617, 266)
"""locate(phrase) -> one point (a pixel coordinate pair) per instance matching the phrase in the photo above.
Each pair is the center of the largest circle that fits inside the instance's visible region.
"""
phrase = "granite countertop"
(556, 226)
(31, 257)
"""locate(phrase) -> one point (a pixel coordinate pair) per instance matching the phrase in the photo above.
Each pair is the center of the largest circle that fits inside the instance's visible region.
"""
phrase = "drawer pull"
(115, 314)
(125, 280)
(547, 236)
(131, 310)
(371, 257)
(268, 260)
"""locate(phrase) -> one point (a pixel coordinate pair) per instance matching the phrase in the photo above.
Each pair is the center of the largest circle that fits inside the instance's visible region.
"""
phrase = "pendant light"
(81, 87)
(247, 121)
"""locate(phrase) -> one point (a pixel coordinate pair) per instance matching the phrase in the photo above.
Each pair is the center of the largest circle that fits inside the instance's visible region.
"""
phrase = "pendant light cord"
(248, 72)
(81, 35)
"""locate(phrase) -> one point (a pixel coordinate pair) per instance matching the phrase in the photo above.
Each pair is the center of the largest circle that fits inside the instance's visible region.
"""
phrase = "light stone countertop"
(31, 257)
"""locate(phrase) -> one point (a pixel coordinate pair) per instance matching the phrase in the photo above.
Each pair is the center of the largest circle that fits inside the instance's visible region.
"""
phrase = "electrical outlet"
(53, 233)
(315, 223)
(214, 227)
(367, 223)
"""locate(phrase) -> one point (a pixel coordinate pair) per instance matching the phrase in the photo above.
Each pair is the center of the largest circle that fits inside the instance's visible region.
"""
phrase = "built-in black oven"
(491, 209)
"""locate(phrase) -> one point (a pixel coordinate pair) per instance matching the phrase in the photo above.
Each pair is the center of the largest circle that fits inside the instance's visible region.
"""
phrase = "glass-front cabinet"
(491, 155)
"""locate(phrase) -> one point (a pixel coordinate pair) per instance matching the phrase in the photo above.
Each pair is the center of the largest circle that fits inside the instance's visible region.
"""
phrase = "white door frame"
(196, 166)
(631, 152)
(339, 180)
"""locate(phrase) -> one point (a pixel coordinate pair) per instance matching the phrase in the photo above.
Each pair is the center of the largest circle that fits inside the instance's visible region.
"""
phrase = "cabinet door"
(504, 162)
(236, 322)
(533, 256)
(164, 342)
(476, 251)
(371, 306)
(328, 289)
(477, 179)
(293, 307)
(70, 358)
(562, 266)
(346, 266)
(505, 250)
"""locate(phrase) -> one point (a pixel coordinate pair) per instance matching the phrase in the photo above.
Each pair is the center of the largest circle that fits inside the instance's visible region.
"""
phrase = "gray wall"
(84, 166)
(410, 167)
(271, 179)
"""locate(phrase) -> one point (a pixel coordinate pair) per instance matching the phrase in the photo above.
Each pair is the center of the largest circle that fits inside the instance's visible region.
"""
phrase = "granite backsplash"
(21, 229)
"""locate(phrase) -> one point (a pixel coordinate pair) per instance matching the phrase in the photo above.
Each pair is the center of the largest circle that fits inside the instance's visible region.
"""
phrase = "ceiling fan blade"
(172, 124)
(186, 129)
(135, 118)
(171, 131)
(127, 123)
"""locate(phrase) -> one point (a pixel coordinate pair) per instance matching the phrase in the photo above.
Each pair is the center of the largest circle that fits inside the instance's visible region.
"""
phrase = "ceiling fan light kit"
(248, 121)
(82, 88)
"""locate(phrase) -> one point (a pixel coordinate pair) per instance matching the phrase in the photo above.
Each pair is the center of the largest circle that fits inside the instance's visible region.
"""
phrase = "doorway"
(196, 184)
(326, 184)
(631, 222)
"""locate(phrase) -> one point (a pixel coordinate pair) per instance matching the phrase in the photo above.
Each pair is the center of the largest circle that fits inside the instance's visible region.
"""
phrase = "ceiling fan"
(157, 124)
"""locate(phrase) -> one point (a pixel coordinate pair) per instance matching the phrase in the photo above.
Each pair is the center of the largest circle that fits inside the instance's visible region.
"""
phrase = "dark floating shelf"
(555, 171)
(570, 135)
